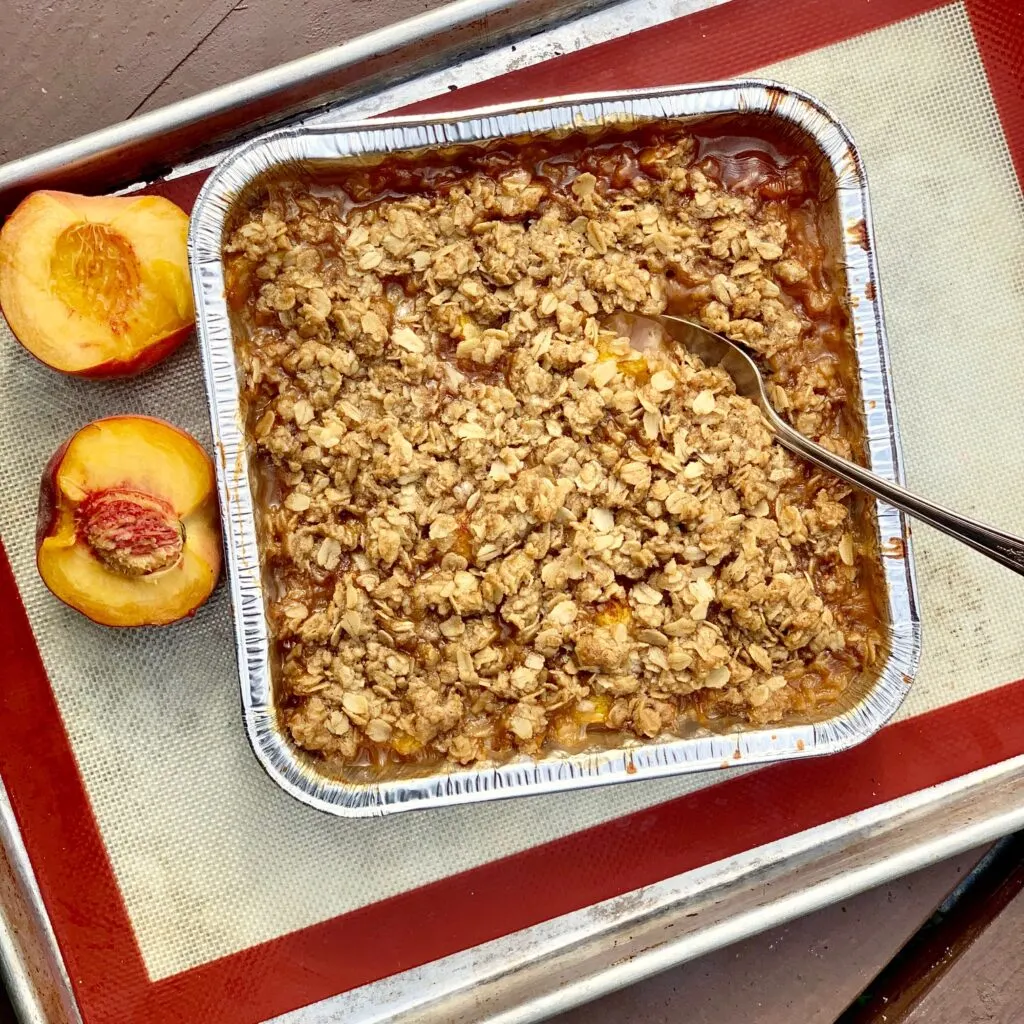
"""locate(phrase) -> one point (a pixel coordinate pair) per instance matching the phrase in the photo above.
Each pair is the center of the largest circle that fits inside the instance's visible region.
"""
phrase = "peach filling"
(593, 710)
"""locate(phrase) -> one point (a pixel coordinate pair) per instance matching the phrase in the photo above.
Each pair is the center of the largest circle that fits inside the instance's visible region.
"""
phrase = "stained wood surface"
(72, 66)
(986, 984)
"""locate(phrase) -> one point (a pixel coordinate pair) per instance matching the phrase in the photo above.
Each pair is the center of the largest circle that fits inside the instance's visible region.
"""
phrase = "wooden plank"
(72, 67)
(985, 985)
(39, 965)
(78, 65)
(807, 971)
(258, 34)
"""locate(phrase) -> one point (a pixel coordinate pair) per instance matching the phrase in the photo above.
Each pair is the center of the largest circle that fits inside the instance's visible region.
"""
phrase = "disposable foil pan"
(866, 705)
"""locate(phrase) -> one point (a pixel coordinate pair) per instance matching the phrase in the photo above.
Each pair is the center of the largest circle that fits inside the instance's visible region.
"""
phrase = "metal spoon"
(714, 350)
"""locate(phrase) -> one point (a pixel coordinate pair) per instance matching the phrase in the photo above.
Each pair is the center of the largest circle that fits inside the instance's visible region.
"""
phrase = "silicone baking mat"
(183, 884)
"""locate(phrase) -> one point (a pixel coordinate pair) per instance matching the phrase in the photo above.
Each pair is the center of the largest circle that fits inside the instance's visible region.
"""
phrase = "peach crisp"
(502, 518)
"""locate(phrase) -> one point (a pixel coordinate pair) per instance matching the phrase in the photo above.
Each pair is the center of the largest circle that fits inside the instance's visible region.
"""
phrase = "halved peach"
(96, 285)
(128, 531)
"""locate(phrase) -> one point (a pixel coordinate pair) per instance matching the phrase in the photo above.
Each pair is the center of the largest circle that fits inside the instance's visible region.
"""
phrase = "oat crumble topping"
(501, 516)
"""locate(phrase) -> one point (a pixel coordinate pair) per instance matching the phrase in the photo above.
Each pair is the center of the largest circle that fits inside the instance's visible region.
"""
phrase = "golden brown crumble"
(498, 514)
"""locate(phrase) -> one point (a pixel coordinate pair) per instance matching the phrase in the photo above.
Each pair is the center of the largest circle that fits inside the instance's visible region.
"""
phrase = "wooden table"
(82, 64)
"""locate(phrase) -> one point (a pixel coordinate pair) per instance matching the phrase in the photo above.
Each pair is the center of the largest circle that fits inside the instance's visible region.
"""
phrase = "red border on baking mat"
(52, 807)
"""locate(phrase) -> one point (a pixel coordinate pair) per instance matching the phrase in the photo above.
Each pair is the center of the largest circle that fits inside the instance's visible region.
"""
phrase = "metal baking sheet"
(861, 711)
(527, 975)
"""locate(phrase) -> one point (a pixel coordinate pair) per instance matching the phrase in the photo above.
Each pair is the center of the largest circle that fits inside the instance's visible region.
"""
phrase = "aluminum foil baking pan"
(863, 708)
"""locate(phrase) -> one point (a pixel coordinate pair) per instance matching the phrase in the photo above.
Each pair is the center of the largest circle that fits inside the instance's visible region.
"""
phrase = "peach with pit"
(128, 530)
(96, 286)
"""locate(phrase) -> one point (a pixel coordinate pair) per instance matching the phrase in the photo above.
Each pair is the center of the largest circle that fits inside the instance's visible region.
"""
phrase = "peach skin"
(96, 285)
(128, 531)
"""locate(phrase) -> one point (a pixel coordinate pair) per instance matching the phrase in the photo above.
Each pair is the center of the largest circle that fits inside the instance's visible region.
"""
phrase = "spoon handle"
(999, 546)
